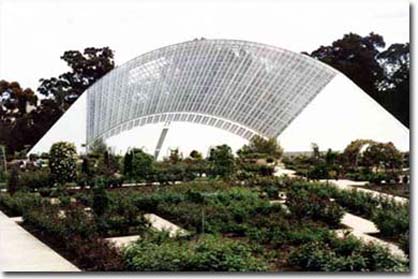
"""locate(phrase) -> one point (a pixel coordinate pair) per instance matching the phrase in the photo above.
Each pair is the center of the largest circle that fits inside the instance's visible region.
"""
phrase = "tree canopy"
(383, 74)
(24, 119)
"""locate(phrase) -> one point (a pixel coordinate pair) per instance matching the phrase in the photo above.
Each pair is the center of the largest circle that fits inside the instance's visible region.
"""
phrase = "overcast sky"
(34, 33)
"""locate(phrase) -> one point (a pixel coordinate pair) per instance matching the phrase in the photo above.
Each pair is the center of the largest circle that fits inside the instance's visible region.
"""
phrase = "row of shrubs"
(74, 233)
(390, 217)
(15, 205)
(347, 254)
(158, 252)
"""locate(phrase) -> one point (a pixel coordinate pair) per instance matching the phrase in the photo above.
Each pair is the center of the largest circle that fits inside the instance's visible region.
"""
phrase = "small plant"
(13, 182)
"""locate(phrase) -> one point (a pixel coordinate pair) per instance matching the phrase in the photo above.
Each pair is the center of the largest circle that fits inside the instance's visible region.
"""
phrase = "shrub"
(404, 242)
(35, 180)
(13, 182)
(20, 202)
(347, 254)
(62, 162)
(222, 161)
(209, 253)
(304, 204)
(392, 222)
(74, 233)
(100, 199)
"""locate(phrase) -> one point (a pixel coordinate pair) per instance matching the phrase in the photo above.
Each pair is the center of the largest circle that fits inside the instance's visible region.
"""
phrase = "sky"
(35, 33)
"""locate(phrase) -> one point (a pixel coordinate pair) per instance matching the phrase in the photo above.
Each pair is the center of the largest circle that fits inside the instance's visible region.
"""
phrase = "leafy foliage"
(222, 161)
(347, 254)
(208, 253)
(62, 162)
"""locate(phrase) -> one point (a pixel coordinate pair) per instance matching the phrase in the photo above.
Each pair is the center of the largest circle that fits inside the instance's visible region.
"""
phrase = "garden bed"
(401, 190)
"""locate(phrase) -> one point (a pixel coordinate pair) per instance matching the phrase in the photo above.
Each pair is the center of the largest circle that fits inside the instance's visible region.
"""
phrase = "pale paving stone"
(122, 241)
(21, 251)
(17, 219)
(164, 225)
(359, 224)
(157, 223)
(346, 184)
(284, 172)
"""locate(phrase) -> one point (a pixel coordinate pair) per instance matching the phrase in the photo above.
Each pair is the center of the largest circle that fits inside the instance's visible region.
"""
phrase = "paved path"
(122, 241)
(394, 249)
(21, 251)
(157, 223)
(164, 225)
(359, 224)
(284, 172)
(346, 184)
(361, 227)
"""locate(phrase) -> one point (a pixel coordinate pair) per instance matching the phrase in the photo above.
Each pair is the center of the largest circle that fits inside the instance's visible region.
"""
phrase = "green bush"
(305, 204)
(62, 162)
(347, 254)
(20, 202)
(35, 180)
(404, 242)
(392, 222)
(75, 233)
(209, 253)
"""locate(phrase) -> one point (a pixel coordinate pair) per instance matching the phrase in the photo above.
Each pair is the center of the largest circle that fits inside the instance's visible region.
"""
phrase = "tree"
(175, 156)
(352, 152)
(394, 87)
(382, 155)
(222, 161)
(16, 121)
(141, 164)
(100, 199)
(315, 151)
(86, 69)
(259, 147)
(127, 164)
(24, 120)
(13, 181)
(196, 155)
(384, 75)
(62, 162)
(355, 56)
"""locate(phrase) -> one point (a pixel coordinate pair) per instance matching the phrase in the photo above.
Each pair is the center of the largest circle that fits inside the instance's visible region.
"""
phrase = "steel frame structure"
(243, 87)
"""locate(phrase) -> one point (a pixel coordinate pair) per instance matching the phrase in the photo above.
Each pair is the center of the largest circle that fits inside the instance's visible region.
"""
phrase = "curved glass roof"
(244, 87)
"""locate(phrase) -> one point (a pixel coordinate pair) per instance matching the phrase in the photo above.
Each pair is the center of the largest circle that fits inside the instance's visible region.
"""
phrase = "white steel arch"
(243, 87)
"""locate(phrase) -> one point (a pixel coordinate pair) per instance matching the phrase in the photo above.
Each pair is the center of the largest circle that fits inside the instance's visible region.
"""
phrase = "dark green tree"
(13, 181)
(86, 69)
(259, 147)
(101, 200)
(127, 164)
(394, 87)
(222, 161)
(355, 56)
(141, 164)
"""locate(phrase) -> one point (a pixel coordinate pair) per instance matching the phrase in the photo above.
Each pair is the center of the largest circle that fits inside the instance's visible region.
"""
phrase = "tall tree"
(384, 75)
(24, 120)
(394, 87)
(16, 122)
(355, 56)
(86, 69)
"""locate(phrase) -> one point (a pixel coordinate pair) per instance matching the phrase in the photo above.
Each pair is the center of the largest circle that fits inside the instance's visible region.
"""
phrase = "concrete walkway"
(157, 223)
(278, 171)
(359, 224)
(122, 241)
(360, 228)
(346, 184)
(21, 251)
(161, 224)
